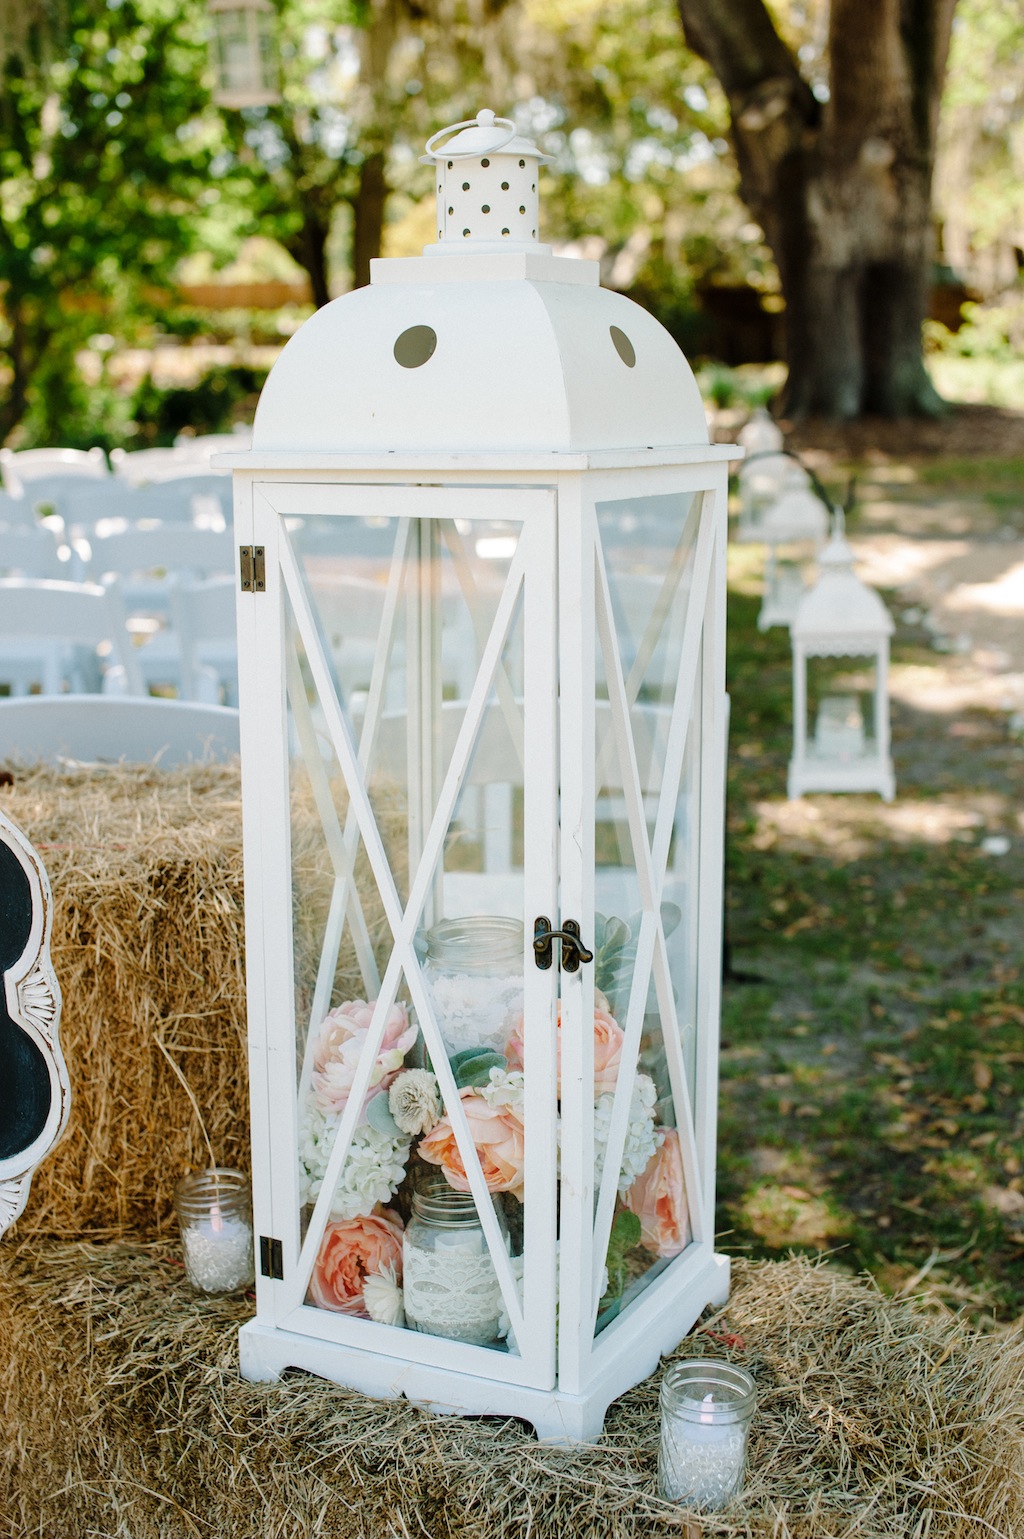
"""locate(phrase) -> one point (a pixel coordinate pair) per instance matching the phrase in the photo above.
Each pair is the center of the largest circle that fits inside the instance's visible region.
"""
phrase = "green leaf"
(474, 1067)
(378, 1115)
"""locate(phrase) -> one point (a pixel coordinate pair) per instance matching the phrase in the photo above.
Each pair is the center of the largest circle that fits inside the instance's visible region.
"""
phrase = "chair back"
(28, 552)
(142, 466)
(42, 623)
(20, 468)
(162, 550)
(99, 729)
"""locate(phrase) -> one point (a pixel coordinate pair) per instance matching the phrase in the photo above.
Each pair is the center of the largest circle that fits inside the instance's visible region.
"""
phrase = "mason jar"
(214, 1209)
(474, 971)
(706, 1408)
(450, 1285)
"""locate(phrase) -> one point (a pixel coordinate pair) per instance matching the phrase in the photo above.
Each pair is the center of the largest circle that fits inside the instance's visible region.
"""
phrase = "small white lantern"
(793, 530)
(841, 617)
(481, 675)
(244, 56)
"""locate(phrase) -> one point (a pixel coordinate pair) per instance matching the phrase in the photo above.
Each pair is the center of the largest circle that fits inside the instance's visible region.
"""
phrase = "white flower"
(382, 1297)
(415, 1101)
(642, 1137)
(373, 1171)
(506, 1087)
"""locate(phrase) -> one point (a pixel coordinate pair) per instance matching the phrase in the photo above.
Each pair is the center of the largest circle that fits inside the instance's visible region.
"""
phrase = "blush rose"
(337, 1053)
(351, 1251)
(658, 1198)
(497, 1132)
(608, 1039)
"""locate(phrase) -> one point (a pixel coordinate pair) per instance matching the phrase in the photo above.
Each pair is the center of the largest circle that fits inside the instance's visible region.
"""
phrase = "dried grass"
(125, 1417)
(148, 946)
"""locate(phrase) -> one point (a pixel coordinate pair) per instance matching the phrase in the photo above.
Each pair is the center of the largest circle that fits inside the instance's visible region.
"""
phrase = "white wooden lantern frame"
(561, 1381)
(531, 379)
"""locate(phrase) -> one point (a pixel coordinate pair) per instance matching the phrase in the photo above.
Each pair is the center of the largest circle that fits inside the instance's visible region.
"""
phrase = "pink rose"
(658, 1199)
(608, 1039)
(497, 1132)
(350, 1252)
(342, 1038)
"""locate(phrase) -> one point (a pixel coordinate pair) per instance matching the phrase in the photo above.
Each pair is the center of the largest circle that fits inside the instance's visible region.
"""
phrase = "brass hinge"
(251, 559)
(271, 1258)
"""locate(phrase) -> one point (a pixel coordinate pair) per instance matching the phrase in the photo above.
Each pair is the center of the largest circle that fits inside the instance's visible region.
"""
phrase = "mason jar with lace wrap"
(451, 1287)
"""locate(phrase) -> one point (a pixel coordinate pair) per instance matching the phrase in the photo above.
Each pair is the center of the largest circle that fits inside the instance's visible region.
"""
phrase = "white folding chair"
(98, 729)
(33, 552)
(64, 635)
(142, 466)
(156, 553)
(203, 616)
(20, 468)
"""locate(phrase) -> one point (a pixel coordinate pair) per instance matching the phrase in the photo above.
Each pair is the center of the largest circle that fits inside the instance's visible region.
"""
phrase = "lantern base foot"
(859, 775)
(266, 1351)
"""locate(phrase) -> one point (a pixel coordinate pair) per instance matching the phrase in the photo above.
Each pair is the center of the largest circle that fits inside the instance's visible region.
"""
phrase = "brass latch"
(573, 950)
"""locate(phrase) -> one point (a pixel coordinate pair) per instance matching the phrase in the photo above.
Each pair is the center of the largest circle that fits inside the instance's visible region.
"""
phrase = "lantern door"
(398, 704)
(642, 646)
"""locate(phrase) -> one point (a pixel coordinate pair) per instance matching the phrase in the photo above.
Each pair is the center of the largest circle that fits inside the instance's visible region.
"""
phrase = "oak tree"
(838, 173)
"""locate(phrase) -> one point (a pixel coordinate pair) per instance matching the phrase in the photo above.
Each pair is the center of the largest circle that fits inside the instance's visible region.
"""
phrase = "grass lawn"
(872, 1096)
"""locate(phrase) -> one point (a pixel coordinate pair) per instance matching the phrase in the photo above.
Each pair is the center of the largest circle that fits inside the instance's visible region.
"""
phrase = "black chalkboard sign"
(34, 1092)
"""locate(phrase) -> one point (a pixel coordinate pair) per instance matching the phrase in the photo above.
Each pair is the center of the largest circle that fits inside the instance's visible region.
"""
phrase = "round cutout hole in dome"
(623, 346)
(415, 346)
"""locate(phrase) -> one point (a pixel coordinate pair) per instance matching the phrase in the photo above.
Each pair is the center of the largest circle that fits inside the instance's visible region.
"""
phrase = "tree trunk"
(309, 248)
(368, 217)
(841, 188)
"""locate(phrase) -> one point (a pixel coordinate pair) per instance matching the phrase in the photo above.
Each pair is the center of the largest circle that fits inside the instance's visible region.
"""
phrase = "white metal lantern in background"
(793, 530)
(483, 717)
(243, 53)
(838, 620)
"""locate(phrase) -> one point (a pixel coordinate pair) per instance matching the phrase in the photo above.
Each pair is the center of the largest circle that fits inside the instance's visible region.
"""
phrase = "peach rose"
(350, 1252)
(608, 1039)
(658, 1198)
(497, 1132)
(342, 1038)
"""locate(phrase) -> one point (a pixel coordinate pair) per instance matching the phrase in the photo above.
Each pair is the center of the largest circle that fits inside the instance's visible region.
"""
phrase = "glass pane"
(649, 550)
(400, 617)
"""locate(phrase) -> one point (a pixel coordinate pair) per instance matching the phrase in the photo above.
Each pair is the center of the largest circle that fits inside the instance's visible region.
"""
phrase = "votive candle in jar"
(214, 1209)
(706, 1408)
(474, 971)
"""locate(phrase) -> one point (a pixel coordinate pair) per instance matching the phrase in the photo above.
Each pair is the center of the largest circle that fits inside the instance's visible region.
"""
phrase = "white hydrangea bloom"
(372, 1173)
(642, 1137)
(506, 1088)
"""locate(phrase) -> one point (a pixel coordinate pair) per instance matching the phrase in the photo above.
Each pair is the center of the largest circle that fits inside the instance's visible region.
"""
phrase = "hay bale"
(146, 871)
(125, 1417)
(148, 947)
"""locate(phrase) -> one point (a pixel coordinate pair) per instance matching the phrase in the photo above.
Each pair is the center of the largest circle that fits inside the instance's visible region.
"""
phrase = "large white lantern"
(482, 690)
(839, 620)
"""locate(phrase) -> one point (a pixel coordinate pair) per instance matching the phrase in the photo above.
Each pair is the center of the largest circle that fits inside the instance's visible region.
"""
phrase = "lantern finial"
(486, 187)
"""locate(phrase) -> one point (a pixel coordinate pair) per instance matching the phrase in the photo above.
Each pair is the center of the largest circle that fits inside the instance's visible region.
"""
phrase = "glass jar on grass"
(451, 1287)
(214, 1209)
(706, 1407)
(474, 971)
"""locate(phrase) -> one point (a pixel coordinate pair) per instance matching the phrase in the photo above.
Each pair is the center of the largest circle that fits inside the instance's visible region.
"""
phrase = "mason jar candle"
(474, 971)
(214, 1209)
(451, 1287)
(706, 1408)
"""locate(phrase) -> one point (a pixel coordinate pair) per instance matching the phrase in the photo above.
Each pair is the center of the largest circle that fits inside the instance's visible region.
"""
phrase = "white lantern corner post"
(482, 541)
(840, 617)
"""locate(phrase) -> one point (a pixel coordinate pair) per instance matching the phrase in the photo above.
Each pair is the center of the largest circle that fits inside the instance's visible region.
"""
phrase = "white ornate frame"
(34, 1003)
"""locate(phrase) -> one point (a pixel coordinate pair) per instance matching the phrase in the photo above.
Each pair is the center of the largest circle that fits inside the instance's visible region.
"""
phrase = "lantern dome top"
(840, 607)
(488, 342)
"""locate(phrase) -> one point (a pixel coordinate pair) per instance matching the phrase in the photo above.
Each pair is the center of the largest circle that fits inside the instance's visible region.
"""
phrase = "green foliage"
(615, 943)
(106, 154)
(625, 1234)
(472, 1067)
(219, 398)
